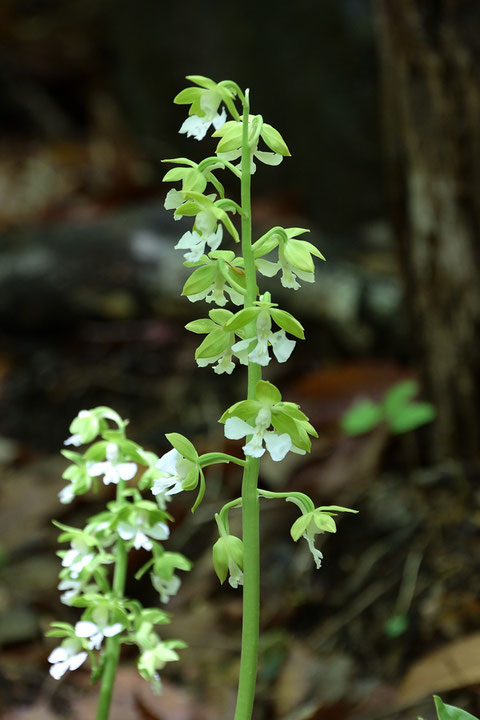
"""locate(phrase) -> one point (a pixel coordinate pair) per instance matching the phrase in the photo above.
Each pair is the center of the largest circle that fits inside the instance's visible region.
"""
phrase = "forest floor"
(390, 618)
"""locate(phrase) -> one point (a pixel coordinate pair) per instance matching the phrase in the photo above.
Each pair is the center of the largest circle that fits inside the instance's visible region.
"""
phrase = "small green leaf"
(203, 81)
(200, 280)
(300, 525)
(231, 140)
(450, 712)
(244, 409)
(188, 209)
(183, 446)
(324, 522)
(266, 393)
(396, 625)
(274, 140)
(400, 394)
(220, 559)
(410, 417)
(288, 323)
(213, 345)
(242, 318)
(201, 326)
(187, 96)
(220, 315)
(361, 417)
(297, 255)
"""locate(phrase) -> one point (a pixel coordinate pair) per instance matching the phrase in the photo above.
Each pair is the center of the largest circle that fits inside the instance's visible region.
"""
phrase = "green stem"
(250, 504)
(112, 644)
(304, 499)
(215, 458)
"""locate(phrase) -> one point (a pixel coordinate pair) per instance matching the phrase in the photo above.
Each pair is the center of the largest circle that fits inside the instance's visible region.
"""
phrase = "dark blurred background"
(379, 103)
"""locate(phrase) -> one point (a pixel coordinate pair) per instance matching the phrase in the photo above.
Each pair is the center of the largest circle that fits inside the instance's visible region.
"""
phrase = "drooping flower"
(230, 146)
(165, 587)
(294, 257)
(112, 469)
(175, 470)
(205, 101)
(67, 656)
(84, 428)
(98, 628)
(268, 158)
(197, 125)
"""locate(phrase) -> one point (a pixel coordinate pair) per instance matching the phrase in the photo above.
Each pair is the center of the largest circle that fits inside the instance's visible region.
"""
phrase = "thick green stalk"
(112, 644)
(250, 509)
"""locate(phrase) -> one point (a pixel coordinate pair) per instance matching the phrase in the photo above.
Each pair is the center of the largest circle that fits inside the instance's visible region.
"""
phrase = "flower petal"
(281, 345)
(77, 660)
(85, 629)
(236, 428)
(127, 470)
(112, 630)
(277, 445)
(58, 654)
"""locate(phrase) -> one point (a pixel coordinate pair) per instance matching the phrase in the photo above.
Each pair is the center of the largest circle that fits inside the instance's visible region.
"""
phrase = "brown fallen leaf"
(454, 666)
(39, 711)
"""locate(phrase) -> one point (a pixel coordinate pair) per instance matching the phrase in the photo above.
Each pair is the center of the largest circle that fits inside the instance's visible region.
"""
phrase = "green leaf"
(300, 525)
(231, 139)
(213, 345)
(220, 315)
(361, 417)
(285, 424)
(200, 280)
(298, 256)
(411, 417)
(187, 96)
(203, 81)
(183, 446)
(450, 712)
(188, 209)
(200, 326)
(266, 393)
(242, 318)
(220, 559)
(400, 394)
(396, 625)
(324, 522)
(274, 140)
(287, 322)
(336, 508)
(175, 174)
(244, 409)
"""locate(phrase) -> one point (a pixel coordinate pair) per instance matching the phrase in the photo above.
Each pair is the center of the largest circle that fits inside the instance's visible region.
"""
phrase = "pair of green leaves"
(397, 409)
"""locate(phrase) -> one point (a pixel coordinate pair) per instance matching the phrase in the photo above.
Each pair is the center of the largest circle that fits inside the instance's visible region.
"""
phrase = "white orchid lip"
(278, 445)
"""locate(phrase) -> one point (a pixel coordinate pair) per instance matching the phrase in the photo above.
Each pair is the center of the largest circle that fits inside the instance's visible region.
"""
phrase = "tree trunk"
(430, 53)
